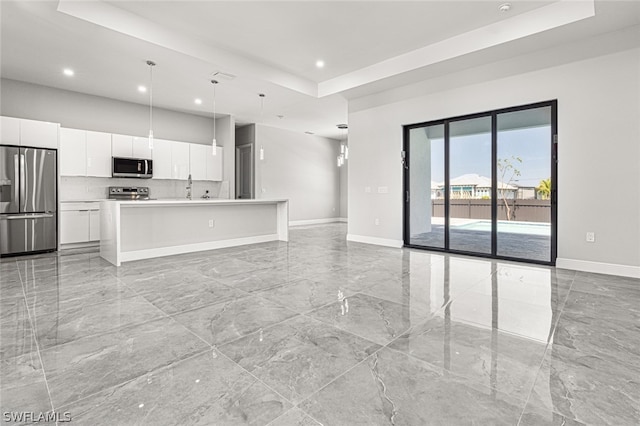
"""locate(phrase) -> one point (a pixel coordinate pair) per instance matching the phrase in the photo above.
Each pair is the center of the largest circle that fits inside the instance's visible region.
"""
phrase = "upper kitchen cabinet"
(214, 164)
(204, 165)
(39, 134)
(179, 160)
(85, 153)
(130, 146)
(98, 154)
(10, 131)
(161, 156)
(198, 161)
(141, 148)
(73, 152)
(121, 145)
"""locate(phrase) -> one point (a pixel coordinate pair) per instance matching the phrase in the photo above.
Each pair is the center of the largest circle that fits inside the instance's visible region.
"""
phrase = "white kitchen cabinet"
(85, 153)
(141, 148)
(10, 131)
(214, 164)
(79, 222)
(74, 226)
(73, 152)
(121, 145)
(98, 154)
(179, 160)
(198, 160)
(161, 157)
(40, 134)
(94, 225)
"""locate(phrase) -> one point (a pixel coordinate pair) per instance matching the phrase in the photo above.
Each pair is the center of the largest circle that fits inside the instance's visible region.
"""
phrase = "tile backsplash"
(93, 188)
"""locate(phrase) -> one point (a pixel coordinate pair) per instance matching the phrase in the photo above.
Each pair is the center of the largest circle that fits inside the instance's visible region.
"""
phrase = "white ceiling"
(272, 48)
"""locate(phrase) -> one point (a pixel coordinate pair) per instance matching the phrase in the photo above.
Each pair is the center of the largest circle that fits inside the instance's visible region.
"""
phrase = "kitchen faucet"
(189, 185)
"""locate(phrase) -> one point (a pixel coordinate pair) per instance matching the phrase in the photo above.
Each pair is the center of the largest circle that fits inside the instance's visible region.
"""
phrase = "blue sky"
(472, 154)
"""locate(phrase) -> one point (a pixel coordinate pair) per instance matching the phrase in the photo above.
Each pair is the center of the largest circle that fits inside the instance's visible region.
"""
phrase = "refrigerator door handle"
(23, 178)
(28, 216)
(16, 180)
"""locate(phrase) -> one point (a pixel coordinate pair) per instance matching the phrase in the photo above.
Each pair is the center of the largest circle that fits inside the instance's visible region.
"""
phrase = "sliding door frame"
(553, 146)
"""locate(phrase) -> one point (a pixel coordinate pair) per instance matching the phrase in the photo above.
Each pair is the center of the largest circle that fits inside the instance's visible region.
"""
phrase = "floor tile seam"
(295, 407)
(544, 356)
(40, 277)
(511, 333)
(317, 391)
(116, 329)
(102, 333)
(35, 339)
(123, 383)
(166, 315)
(535, 380)
(462, 377)
(235, 339)
(84, 306)
(308, 310)
(345, 330)
(254, 376)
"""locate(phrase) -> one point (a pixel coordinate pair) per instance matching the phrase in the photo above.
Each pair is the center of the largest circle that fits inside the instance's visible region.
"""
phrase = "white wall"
(599, 153)
(301, 168)
(79, 111)
(344, 188)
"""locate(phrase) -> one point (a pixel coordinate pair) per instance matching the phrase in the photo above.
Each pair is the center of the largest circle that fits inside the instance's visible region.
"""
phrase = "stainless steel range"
(128, 193)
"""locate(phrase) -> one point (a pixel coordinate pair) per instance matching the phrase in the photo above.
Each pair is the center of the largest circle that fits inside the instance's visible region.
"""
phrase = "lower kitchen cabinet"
(79, 222)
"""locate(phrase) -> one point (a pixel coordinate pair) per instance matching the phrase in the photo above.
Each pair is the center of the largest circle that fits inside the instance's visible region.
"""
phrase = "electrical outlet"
(383, 190)
(367, 189)
(591, 237)
(377, 221)
(212, 223)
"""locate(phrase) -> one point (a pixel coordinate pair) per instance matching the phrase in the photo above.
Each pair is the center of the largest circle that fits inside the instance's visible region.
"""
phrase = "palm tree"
(544, 188)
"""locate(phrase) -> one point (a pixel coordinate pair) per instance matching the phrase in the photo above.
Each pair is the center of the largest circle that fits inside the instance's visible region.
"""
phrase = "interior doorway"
(245, 172)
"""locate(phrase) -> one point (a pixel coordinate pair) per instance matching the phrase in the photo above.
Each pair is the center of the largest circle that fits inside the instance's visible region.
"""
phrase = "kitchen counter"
(142, 229)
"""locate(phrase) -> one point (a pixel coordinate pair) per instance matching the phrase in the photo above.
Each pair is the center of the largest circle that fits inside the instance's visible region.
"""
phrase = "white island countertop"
(142, 229)
(196, 201)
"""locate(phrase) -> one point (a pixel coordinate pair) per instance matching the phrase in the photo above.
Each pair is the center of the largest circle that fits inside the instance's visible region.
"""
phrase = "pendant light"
(262, 96)
(344, 148)
(214, 145)
(151, 64)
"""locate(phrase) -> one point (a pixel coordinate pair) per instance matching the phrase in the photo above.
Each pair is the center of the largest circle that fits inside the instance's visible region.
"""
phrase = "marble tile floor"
(316, 331)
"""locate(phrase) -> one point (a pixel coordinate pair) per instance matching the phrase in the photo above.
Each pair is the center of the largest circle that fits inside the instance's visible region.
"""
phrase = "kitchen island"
(134, 230)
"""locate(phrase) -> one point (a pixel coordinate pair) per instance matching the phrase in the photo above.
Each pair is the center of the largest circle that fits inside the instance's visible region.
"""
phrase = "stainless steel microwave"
(132, 168)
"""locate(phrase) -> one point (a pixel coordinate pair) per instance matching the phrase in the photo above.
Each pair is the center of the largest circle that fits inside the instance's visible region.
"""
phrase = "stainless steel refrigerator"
(28, 200)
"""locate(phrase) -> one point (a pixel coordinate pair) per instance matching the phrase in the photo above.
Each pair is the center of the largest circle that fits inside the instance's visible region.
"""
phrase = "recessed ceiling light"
(504, 7)
(198, 101)
(142, 89)
(68, 72)
(320, 63)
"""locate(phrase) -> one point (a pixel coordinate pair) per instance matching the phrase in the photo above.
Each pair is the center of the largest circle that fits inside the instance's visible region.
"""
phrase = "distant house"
(471, 186)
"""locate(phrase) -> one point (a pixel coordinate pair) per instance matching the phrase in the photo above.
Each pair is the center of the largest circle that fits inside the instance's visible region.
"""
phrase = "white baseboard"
(599, 267)
(314, 221)
(343, 219)
(375, 240)
(79, 245)
(190, 248)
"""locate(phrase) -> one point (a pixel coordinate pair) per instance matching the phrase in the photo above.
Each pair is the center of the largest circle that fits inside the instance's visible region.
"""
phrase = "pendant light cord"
(151, 65)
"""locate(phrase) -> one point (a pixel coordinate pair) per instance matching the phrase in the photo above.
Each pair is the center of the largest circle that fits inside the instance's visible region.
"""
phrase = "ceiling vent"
(223, 75)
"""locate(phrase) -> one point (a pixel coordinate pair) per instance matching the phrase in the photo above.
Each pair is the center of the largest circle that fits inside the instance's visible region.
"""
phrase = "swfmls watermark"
(35, 417)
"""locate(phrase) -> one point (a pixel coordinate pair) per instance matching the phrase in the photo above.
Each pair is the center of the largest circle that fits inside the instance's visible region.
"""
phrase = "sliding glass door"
(484, 184)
